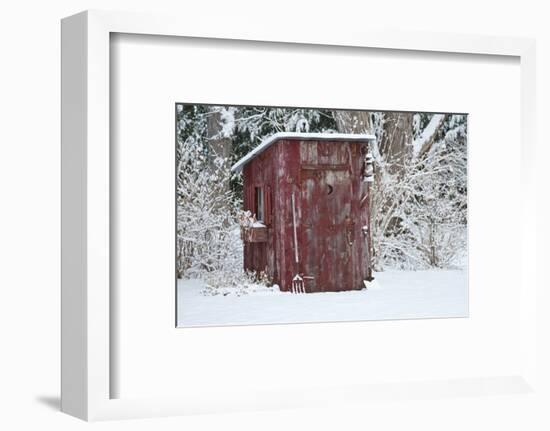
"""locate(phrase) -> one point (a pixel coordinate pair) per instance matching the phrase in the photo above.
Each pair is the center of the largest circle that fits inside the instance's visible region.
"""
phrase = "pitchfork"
(297, 282)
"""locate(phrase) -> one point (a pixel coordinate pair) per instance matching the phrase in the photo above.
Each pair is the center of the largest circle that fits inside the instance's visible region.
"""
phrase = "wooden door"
(325, 230)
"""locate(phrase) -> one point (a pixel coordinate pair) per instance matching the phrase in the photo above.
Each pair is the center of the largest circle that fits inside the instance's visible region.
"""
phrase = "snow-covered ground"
(394, 295)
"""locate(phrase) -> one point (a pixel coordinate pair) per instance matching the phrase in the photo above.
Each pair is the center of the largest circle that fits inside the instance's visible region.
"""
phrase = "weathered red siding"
(259, 173)
(326, 180)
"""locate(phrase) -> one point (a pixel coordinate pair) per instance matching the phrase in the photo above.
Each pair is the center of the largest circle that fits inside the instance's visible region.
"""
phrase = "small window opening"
(259, 209)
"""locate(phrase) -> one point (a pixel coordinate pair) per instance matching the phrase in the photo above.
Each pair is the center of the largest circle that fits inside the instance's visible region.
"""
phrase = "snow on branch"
(426, 139)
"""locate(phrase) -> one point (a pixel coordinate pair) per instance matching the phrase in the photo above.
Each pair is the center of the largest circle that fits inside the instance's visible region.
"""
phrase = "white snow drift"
(394, 295)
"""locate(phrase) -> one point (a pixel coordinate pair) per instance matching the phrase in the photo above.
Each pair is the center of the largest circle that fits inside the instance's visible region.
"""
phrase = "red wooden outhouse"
(309, 195)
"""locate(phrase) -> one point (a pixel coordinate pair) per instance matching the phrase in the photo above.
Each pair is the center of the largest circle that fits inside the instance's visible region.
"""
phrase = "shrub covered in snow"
(209, 246)
(235, 281)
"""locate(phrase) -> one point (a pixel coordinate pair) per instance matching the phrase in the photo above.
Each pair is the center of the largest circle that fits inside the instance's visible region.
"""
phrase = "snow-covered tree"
(419, 206)
(207, 227)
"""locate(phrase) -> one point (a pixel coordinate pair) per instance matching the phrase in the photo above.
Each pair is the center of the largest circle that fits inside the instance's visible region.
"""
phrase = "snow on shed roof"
(237, 167)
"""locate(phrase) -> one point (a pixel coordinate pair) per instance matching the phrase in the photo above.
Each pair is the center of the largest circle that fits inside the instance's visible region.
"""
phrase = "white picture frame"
(86, 311)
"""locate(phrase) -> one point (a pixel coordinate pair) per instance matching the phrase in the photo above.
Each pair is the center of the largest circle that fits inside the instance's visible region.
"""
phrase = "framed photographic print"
(364, 213)
(311, 207)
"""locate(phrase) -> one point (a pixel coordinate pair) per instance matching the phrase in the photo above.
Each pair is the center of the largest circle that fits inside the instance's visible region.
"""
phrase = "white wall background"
(29, 205)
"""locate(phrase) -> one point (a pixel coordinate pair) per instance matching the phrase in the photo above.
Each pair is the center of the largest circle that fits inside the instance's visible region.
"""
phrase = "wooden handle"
(294, 228)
